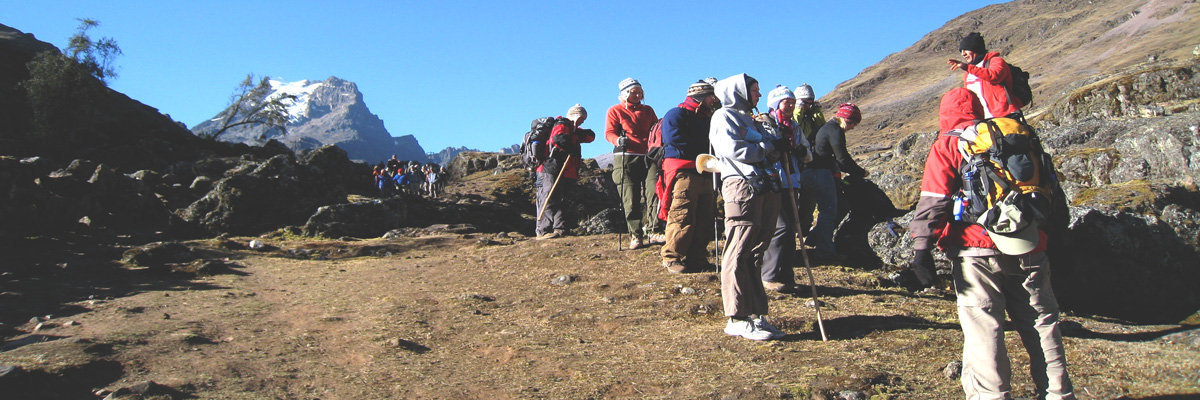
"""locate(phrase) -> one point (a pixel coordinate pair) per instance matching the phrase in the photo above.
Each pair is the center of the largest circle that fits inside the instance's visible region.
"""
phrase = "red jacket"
(569, 144)
(992, 83)
(932, 219)
(635, 120)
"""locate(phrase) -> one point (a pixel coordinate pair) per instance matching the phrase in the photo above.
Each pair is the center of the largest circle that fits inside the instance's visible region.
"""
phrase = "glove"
(922, 267)
(622, 141)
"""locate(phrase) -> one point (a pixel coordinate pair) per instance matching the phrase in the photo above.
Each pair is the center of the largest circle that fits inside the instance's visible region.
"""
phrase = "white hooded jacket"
(735, 138)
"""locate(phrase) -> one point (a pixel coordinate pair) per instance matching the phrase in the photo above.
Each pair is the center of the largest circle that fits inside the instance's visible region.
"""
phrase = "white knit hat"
(777, 95)
(575, 112)
(804, 92)
(628, 83)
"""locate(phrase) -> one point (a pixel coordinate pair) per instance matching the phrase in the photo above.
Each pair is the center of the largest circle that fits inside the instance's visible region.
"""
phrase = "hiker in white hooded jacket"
(751, 205)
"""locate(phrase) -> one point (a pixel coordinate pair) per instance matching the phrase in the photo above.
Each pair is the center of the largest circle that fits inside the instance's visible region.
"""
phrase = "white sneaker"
(636, 243)
(747, 330)
(761, 323)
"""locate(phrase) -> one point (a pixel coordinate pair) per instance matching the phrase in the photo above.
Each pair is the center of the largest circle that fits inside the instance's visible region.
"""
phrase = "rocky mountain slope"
(1063, 44)
(54, 119)
(329, 112)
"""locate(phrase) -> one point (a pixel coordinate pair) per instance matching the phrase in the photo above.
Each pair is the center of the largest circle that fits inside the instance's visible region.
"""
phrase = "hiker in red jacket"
(565, 140)
(988, 76)
(988, 282)
(627, 126)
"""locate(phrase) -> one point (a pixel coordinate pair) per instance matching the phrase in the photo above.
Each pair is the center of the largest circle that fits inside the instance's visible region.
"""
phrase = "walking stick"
(550, 194)
(812, 283)
(708, 163)
(621, 184)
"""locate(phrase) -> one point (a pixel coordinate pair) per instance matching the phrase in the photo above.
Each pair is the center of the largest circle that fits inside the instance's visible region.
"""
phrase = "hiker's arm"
(729, 143)
(560, 138)
(996, 71)
(612, 126)
(939, 181)
(585, 135)
(846, 163)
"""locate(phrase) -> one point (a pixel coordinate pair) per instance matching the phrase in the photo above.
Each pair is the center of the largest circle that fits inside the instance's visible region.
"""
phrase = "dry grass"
(452, 317)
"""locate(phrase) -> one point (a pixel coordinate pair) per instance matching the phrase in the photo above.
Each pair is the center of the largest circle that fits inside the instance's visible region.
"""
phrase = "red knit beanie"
(849, 112)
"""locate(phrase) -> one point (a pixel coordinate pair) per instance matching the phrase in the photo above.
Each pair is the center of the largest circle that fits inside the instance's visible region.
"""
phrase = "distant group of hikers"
(396, 176)
(985, 197)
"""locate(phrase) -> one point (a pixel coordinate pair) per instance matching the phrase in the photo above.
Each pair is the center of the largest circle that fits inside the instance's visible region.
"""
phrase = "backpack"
(1019, 89)
(655, 151)
(534, 147)
(1003, 161)
(1020, 85)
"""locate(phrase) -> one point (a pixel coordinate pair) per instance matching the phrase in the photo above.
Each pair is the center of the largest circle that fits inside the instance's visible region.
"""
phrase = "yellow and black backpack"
(1003, 160)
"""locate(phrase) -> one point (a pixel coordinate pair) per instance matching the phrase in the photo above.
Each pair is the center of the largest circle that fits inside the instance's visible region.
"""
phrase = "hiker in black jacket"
(829, 159)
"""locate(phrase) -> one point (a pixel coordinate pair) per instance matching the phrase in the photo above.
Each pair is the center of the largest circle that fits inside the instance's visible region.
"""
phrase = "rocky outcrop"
(83, 195)
(1145, 90)
(470, 162)
(256, 197)
(447, 154)
(362, 220)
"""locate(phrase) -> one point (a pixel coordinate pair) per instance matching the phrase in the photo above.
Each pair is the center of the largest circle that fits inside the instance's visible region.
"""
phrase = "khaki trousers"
(749, 223)
(989, 286)
(690, 218)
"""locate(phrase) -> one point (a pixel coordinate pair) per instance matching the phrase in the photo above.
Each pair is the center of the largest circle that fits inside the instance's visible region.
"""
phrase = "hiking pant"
(690, 218)
(635, 178)
(781, 255)
(552, 217)
(820, 186)
(989, 286)
(748, 217)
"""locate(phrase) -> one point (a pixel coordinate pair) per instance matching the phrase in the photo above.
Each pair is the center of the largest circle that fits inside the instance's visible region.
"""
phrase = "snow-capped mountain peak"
(303, 90)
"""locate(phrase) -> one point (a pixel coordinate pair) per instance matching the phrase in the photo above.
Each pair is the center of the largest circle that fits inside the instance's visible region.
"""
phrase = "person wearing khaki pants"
(994, 274)
(988, 286)
(688, 201)
(751, 205)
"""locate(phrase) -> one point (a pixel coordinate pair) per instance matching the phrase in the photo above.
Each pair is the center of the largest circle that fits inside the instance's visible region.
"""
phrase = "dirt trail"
(481, 316)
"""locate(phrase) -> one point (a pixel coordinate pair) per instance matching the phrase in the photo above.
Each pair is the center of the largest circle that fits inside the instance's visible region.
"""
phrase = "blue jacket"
(685, 131)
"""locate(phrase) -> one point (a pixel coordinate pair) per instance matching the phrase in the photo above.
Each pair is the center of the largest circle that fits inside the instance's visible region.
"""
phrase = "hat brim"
(1017, 243)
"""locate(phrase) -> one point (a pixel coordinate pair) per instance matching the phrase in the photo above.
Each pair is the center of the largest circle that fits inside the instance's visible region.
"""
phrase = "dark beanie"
(973, 42)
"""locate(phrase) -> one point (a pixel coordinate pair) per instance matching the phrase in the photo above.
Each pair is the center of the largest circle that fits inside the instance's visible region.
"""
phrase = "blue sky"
(473, 73)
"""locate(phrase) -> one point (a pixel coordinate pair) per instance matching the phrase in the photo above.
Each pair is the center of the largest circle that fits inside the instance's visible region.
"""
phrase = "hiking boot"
(775, 286)
(746, 329)
(656, 238)
(560, 232)
(674, 267)
(761, 323)
(549, 235)
(636, 243)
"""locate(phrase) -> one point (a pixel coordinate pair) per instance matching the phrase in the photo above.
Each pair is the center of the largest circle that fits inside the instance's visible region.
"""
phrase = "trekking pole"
(812, 283)
(621, 184)
(550, 194)
(717, 248)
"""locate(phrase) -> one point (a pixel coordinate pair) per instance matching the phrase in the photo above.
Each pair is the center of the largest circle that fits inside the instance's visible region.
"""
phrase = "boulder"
(362, 220)
(259, 197)
(159, 254)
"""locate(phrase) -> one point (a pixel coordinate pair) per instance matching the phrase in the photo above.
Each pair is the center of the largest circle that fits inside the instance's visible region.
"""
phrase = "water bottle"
(958, 207)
